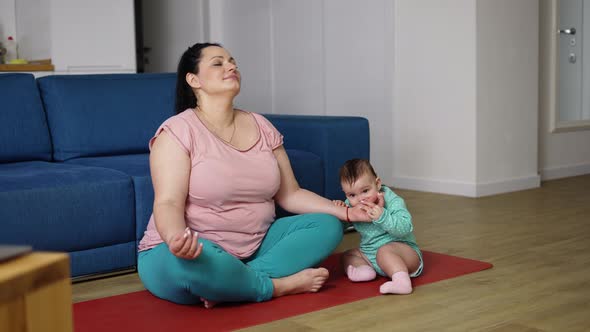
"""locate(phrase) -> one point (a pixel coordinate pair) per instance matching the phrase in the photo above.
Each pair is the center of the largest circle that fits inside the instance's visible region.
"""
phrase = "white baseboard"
(566, 171)
(466, 188)
(508, 185)
(434, 186)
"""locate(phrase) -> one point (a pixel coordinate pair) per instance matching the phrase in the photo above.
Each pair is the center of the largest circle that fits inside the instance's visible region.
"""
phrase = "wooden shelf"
(28, 67)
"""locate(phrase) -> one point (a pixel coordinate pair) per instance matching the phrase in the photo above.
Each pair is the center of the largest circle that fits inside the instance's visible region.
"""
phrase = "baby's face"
(364, 189)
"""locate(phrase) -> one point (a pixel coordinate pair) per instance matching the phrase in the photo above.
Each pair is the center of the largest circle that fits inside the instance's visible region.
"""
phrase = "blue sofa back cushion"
(94, 115)
(326, 137)
(24, 135)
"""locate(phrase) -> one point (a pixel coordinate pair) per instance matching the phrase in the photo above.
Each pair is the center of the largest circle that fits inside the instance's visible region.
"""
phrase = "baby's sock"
(400, 284)
(360, 273)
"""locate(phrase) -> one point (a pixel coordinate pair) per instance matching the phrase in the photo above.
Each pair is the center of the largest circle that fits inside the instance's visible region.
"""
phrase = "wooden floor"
(538, 241)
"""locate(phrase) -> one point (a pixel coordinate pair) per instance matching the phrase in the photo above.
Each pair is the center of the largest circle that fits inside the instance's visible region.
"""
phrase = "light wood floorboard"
(538, 241)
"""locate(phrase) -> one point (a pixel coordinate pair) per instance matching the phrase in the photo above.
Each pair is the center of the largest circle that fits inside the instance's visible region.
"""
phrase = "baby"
(388, 246)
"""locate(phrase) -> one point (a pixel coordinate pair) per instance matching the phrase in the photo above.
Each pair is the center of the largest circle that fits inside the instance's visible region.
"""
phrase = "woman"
(217, 172)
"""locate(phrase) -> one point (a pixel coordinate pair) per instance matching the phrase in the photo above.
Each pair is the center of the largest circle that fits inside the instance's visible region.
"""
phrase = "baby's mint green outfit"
(394, 225)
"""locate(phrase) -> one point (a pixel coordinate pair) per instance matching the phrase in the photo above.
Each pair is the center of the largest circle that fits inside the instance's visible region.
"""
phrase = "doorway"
(573, 64)
(165, 30)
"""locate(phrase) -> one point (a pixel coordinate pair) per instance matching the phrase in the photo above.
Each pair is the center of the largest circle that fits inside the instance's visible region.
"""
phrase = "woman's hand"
(374, 210)
(339, 203)
(184, 244)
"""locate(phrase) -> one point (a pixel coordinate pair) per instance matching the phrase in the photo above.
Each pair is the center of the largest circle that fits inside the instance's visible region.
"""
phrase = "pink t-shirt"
(230, 195)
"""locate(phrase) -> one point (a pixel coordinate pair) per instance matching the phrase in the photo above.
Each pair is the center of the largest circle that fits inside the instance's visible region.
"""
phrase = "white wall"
(561, 154)
(586, 59)
(298, 55)
(33, 29)
(88, 36)
(448, 87)
(79, 36)
(358, 57)
(252, 50)
(507, 95)
(435, 96)
(465, 96)
(27, 21)
(339, 62)
(7, 20)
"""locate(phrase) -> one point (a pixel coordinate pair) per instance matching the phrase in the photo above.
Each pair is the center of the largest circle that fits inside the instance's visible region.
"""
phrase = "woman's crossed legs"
(281, 266)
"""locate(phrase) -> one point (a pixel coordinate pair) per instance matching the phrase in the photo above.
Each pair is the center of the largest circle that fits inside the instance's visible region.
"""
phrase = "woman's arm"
(170, 170)
(298, 200)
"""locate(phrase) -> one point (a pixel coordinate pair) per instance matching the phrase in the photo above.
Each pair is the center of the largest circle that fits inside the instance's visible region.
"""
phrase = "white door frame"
(553, 72)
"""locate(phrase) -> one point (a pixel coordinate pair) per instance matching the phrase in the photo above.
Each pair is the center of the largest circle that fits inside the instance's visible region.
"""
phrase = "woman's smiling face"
(218, 71)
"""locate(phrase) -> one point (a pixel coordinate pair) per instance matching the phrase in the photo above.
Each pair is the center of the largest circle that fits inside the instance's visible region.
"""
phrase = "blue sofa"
(74, 170)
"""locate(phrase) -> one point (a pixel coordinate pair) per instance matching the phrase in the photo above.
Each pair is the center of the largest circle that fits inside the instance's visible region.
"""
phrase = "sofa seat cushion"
(104, 259)
(24, 135)
(134, 165)
(63, 207)
(138, 167)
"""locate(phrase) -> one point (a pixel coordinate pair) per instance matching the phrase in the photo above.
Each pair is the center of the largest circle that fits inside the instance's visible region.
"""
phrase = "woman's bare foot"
(208, 304)
(306, 281)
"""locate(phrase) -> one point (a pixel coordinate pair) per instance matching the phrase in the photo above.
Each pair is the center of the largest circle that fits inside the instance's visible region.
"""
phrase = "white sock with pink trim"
(400, 284)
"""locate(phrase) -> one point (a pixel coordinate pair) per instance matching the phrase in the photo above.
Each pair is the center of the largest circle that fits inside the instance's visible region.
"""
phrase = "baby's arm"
(395, 219)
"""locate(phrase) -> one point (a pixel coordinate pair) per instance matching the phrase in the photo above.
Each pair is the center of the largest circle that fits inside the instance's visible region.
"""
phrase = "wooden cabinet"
(36, 293)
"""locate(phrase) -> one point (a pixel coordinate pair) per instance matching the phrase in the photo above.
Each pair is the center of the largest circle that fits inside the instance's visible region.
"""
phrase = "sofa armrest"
(335, 139)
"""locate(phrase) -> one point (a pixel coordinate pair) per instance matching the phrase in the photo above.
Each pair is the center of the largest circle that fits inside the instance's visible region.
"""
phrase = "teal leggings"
(290, 245)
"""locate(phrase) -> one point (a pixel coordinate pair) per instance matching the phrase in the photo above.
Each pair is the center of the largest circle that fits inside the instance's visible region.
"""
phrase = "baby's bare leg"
(396, 260)
(357, 268)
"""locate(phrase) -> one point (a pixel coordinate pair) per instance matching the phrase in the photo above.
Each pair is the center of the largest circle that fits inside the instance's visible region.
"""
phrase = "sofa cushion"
(24, 135)
(308, 170)
(104, 259)
(56, 206)
(335, 139)
(115, 114)
(137, 166)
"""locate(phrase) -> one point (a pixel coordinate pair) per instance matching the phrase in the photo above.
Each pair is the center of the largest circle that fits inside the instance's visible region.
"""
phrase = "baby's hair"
(354, 169)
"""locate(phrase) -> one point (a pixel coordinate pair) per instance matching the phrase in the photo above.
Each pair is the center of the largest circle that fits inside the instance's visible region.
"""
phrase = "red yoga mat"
(141, 311)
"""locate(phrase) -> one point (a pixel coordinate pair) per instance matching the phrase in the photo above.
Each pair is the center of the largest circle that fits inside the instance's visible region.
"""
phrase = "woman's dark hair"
(189, 63)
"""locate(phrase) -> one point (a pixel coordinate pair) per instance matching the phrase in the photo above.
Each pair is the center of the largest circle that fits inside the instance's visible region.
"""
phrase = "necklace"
(215, 129)
(232, 132)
